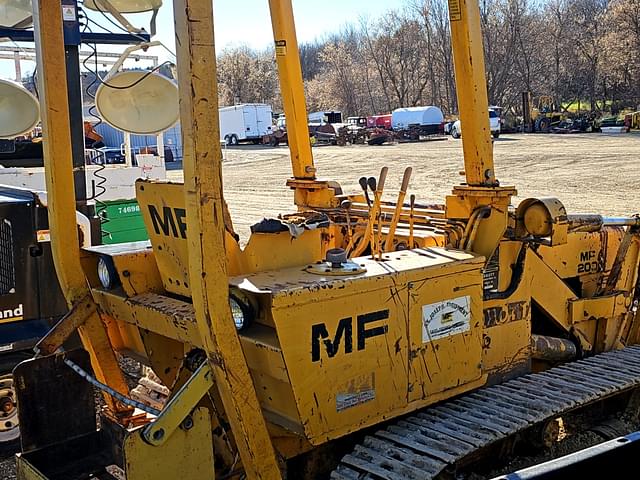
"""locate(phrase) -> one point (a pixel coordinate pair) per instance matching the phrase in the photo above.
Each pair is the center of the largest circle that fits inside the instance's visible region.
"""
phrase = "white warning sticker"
(351, 399)
(68, 13)
(446, 318)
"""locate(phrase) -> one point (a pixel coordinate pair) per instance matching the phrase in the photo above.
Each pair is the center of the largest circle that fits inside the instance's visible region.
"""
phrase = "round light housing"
(241, 312)
(15, 13)
(126, 6)
(107, 273)
(139, 102)
(19, 110)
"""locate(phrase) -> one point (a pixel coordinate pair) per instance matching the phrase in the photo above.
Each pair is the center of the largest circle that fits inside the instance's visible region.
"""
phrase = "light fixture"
(137, 101)
(107, 272)
(124, 6)
(119, 7)
(242, 312)
(15, 13)
(19, 110)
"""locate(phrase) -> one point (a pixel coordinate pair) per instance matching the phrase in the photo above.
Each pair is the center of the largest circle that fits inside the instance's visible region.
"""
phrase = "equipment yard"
(374, 300)
(590, 172)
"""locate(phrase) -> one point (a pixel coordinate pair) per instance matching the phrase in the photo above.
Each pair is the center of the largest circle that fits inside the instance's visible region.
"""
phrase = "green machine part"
(121, 221)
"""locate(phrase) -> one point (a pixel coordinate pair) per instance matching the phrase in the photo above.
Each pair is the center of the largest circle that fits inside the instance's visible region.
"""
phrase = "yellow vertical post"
(65, 247)
(292, 88)
(202, 156)
(471, 85)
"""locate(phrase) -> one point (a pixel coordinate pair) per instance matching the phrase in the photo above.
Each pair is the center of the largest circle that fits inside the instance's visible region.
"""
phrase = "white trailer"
(427, 120)
(245, 122)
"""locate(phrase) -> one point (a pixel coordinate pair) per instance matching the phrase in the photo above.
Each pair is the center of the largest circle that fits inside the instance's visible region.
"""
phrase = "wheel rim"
(9, 424)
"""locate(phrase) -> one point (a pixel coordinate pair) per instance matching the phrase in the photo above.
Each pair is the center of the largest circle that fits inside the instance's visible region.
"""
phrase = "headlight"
(241, 312)
(107, 273)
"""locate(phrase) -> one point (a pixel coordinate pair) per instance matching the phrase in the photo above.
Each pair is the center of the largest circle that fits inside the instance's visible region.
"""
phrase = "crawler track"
(424, 444)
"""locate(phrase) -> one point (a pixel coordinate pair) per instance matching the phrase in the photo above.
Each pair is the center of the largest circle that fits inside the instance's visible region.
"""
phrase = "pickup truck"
(494, 125)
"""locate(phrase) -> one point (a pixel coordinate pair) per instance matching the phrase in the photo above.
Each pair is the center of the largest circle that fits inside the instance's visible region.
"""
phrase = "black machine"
(30, 296)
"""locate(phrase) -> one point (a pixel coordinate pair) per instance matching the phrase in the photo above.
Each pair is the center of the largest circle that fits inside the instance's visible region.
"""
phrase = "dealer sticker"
(446, 318)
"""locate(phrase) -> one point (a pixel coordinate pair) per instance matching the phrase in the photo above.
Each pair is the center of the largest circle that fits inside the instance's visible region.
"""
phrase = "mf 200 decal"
(446, 318)
(320, 334)
(589, 262)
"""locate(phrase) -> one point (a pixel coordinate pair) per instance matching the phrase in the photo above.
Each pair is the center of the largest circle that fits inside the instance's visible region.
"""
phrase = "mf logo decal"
(320, 334)
(170, 222)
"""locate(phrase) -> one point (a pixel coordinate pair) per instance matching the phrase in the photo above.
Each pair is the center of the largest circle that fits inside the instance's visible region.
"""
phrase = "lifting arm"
(292, 89)
(471, 86)
(58, 155)
(196, 61)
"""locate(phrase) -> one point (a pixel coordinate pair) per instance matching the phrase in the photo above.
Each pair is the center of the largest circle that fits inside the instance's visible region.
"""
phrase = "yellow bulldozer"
(352, 338)
(542, 114)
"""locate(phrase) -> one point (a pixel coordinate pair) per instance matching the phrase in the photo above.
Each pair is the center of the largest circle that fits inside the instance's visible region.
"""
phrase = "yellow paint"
(61, 202)
(186, 454)
(205, 218)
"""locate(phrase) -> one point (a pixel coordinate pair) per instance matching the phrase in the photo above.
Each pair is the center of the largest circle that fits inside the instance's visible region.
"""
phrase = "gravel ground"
(589, 173)
(593, 173)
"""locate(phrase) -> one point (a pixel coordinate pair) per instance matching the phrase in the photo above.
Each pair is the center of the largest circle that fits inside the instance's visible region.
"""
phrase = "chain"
(101, 386)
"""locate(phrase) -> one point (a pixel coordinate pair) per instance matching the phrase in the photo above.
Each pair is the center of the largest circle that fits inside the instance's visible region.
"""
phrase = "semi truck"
(245, 122)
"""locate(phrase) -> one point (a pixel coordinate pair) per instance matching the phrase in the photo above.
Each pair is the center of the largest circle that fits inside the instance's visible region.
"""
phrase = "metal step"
(422, 445)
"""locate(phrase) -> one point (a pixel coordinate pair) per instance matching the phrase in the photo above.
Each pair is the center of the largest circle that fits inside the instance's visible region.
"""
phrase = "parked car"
(448, 126)
(115, 156)
(106, 155)
(494, 125)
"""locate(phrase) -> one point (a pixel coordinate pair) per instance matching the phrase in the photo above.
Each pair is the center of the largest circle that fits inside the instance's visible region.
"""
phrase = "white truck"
(494, 124)
(245, 122)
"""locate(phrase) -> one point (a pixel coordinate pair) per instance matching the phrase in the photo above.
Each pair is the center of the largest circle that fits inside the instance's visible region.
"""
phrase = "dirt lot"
(589, 173)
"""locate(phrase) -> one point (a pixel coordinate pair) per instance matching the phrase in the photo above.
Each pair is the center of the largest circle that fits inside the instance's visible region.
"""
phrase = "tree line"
(582, 53)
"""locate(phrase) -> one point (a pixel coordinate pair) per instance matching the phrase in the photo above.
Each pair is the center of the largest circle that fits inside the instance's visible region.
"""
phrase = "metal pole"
(471, 84)
(74, 93)
(292, 88)
(16, 59)
(58, 163)
(196, 62)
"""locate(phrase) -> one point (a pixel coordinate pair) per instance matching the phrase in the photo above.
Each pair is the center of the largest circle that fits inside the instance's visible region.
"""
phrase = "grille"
(7, 266)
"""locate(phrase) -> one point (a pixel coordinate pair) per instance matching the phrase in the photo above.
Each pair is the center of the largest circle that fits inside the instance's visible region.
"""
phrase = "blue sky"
(247, 22)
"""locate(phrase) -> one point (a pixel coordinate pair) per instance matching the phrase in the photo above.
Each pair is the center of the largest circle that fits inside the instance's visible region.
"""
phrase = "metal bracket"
(76, 317)
(178, 409)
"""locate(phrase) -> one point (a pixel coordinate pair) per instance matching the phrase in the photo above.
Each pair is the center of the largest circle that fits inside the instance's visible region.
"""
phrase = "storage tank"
(429, 116)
